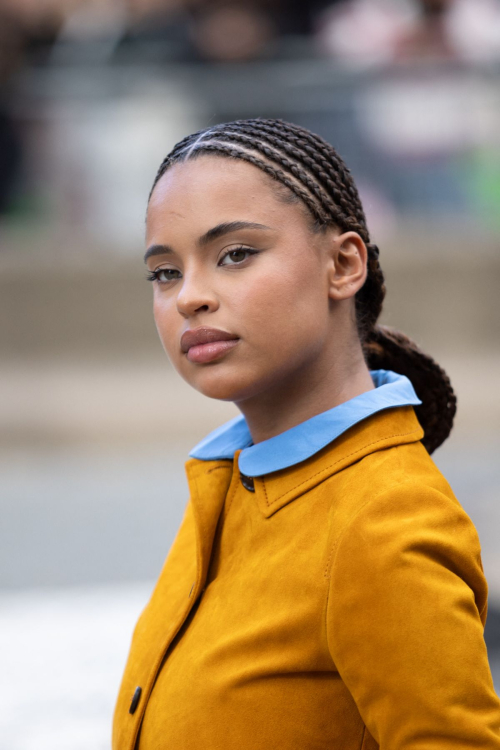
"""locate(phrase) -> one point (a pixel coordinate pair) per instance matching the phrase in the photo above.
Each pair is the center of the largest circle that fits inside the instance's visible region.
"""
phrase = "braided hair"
(306, 169)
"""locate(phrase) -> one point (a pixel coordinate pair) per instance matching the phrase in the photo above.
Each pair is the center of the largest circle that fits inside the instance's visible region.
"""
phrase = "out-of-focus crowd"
(354, 31)
(356, 34)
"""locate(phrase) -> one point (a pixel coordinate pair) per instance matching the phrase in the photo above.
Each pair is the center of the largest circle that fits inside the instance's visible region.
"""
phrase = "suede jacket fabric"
(338, 606)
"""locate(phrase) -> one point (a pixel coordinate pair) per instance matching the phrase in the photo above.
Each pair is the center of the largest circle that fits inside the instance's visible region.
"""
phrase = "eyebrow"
(213, 234)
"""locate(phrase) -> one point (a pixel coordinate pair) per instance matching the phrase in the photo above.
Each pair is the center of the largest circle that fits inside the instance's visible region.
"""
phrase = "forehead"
(214, 188)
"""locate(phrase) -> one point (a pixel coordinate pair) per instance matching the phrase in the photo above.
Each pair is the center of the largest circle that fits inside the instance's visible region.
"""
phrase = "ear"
(347, 265)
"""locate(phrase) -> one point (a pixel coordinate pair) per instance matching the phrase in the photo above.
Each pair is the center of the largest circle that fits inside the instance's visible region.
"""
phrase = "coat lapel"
(180, 582)
(209, 483)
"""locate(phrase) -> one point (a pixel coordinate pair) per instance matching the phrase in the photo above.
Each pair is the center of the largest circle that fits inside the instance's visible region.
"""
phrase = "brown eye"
(233, 257)
(164, 275)
(237, 255)
(167, 274)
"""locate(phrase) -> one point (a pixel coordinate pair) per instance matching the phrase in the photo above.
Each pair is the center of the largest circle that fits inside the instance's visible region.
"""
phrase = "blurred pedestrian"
(367, 32)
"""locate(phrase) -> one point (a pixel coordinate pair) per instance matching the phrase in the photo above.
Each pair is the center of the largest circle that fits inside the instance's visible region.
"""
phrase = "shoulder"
(409, 526)
(398, 480)
(407, 604)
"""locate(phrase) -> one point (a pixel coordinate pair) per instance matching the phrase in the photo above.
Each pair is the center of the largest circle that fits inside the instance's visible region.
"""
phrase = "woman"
(325, 588)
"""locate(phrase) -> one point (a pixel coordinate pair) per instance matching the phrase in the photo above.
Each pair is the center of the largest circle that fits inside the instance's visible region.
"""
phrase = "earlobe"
(348, 265)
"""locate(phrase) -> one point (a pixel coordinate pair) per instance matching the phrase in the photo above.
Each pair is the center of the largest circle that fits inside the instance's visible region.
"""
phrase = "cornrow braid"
(335, 198)
(291, 166)
(312, 172)
(277, 174)
(311, 145)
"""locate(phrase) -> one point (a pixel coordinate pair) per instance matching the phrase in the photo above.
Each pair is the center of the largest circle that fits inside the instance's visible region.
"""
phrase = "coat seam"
(349, 455)
(199, 472)
(217, 468)
(335, 546)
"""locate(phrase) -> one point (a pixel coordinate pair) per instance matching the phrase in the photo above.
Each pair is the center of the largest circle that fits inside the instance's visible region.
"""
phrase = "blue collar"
(309, 437)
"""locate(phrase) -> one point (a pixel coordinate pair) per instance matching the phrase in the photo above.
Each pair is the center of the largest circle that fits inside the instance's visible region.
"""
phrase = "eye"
(233, 257)
(164, 275)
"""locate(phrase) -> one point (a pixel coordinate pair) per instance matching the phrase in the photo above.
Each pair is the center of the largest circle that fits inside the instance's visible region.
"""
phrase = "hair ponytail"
(314, 173)
(388, 349)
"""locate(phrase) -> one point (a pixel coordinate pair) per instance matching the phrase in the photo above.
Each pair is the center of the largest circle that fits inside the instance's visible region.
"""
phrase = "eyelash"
(153, 275)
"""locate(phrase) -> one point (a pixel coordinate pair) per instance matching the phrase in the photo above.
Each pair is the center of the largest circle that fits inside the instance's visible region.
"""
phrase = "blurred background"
(94, 424)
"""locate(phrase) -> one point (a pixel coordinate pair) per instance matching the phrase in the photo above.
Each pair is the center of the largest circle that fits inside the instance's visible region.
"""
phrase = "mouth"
(203, 345)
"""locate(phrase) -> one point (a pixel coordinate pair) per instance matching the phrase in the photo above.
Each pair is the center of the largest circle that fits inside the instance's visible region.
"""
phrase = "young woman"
(325, 588)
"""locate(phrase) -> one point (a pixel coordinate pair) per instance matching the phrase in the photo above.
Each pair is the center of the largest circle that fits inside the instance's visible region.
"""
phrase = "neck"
(313, 390)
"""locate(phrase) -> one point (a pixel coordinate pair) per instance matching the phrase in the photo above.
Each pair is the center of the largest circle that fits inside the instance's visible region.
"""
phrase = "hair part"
(305, 169)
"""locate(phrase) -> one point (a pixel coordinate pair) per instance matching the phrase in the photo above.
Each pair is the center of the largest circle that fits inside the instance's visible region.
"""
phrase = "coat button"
(135, 700)
(247, 482)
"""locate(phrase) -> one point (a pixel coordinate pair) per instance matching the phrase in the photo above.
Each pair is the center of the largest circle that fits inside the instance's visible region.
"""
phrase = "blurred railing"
(423, 142)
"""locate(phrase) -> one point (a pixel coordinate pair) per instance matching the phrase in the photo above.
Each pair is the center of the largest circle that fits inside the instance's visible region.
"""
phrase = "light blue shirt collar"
(309, 437)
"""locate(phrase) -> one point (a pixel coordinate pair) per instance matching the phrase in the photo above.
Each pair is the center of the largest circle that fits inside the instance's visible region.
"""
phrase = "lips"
(203, 345)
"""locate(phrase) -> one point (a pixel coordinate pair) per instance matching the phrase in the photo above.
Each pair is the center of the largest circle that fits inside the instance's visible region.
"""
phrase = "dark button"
(247, 482)
(135, 700)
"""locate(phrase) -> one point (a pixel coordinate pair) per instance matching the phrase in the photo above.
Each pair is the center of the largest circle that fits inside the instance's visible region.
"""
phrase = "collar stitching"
(265, 493)
(360, 450)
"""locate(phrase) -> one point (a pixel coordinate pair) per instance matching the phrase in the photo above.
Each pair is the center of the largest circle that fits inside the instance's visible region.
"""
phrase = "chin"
(216, 384)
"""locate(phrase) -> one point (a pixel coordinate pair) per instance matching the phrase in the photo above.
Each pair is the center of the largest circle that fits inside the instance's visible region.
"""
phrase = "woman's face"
(241, 290)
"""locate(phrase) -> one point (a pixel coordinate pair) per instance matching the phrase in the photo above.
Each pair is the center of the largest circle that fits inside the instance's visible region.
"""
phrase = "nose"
(195, 296)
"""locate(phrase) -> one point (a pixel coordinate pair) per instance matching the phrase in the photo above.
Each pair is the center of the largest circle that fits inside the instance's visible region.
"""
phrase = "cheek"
(283, 308)
(167, 323)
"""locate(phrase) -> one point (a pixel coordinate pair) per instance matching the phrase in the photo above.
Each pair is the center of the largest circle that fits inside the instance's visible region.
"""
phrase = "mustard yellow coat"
(339, 607)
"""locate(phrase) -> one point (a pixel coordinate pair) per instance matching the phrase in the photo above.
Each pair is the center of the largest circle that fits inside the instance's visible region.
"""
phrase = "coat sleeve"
(405, 619)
